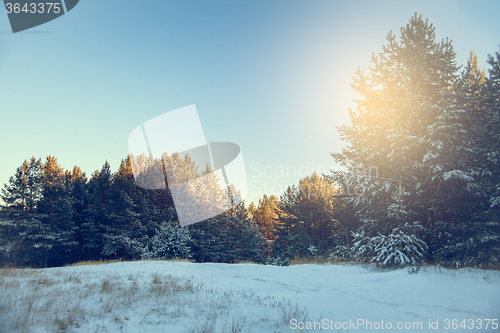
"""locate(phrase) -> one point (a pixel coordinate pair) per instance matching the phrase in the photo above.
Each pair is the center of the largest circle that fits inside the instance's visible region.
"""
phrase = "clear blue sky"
(270, 76)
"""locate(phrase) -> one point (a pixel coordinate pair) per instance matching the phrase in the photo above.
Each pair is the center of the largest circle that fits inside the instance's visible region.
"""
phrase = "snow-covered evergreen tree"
(473, 240)
(96, 213)
(229, 237)
(306, 217)
(25, 240)
(126, 235)
(401, 246)
(171, 241)
(398, 248)
(24, 189)
(265, 215)
(246, 241)
(76, 184)
(493, 153)
(55, 210)
(411, 127)
(292, 239)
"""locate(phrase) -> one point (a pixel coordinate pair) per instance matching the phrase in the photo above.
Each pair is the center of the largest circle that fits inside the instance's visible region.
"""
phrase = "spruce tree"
(291, 238)
(55, 212)
(170, 242)
(30, 235)
(265, 215)
(306, 226)
(24, 189)
(493, 128)
(97, 213)
(125, 235)
(76, 183)
(247, 243)
(408, 125)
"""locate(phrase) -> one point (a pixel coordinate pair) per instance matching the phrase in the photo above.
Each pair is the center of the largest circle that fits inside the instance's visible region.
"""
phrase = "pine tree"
(210, 240)
(480, 245)
(265, 215)
(316, 207)
(408, 125)
(13, 216)
(31, 196)
(25, 187)
(291, 238)
(97, 213)
(125, 235)
(76, 183)
(229, 237)
(55, 212)
(348, 224)
(306, 219)
(247, 242)
(401, 246)
(493, 128)
(171, 241)
(458, 235)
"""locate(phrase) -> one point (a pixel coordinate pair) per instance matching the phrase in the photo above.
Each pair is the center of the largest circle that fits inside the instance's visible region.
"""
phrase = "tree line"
(430, 128)
(55, 217)
(432, 131)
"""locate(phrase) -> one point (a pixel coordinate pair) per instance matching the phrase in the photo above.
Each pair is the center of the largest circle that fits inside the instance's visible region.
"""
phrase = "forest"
(429, 127)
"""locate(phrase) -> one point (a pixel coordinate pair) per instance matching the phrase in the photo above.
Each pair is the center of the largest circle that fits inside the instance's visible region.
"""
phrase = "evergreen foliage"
(55, 217)
(306, 220)
(229, 237)
(423, 183)
(423, 126)
(265, 215)
(171, 241)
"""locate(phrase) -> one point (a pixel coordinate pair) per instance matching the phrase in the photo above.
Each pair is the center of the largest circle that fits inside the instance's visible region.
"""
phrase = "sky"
(270, 76)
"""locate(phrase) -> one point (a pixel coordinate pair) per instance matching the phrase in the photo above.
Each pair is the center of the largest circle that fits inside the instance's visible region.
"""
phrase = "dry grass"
(101, 262)
(247, 262)
(62, 300)
(92, 262)
(316, 261)
(493, 266)
(290, 311)
(10, 272)
(169, 260)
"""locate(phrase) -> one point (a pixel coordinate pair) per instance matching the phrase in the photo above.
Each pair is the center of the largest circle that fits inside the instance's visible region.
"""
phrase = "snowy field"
(157, 296)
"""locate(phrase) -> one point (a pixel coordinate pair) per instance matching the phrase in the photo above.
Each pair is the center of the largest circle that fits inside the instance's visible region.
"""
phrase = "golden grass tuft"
(316, 261)
(92, 262)
(247, 262)
(168, 260)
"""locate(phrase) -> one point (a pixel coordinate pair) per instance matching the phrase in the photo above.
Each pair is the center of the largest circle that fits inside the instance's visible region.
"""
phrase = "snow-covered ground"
(160, 296)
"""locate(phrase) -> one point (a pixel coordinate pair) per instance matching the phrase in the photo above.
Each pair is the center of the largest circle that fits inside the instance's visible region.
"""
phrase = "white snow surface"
(246, 298)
